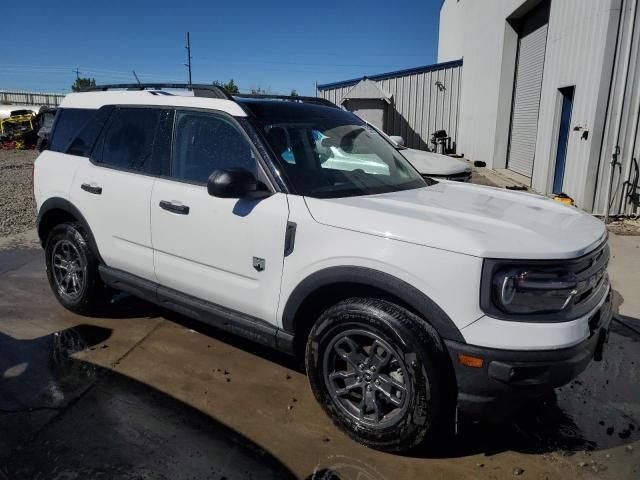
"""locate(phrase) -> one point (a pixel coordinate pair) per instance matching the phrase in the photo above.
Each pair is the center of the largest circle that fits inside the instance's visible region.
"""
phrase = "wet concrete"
(149, 394)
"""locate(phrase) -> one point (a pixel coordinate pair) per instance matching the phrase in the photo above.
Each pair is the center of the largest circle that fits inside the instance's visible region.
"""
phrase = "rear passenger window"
(83, 143)
(68, 123)
(207, 142)
(128, 141)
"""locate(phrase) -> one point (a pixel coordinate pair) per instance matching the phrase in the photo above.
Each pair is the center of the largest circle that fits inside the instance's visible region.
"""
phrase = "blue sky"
(279, 45)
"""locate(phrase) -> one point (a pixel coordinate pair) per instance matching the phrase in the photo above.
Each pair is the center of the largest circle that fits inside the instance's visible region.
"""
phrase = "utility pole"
(137, 79)
(188, 64)
(77, 73)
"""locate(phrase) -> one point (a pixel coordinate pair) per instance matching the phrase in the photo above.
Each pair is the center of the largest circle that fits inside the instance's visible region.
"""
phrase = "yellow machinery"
(19, 131)
(564, 198)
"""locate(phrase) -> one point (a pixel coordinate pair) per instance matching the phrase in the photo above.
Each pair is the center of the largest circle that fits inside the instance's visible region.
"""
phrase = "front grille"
(591, 273)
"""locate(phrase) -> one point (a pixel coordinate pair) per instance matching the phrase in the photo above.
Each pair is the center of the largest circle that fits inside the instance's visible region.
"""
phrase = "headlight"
(544, 290)
(523, 291)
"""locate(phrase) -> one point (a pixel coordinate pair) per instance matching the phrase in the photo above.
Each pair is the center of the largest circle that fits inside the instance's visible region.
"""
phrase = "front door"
(226, 251)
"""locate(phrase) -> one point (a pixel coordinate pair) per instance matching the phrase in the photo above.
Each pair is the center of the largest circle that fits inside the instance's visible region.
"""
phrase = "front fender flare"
(410, 295)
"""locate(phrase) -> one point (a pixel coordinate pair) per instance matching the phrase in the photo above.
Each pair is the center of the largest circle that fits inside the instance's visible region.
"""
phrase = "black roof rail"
(208, 91)
(199, 90)
(291, 98)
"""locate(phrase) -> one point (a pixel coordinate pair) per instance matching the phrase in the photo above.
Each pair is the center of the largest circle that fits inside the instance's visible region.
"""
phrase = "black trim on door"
(252, 328)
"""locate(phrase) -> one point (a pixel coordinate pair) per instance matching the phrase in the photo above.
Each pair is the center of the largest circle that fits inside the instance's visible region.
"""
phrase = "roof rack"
(199, 90)
(291, 98)
(208, 91)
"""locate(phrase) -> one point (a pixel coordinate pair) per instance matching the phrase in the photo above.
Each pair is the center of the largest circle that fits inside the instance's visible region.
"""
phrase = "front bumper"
(507, 378)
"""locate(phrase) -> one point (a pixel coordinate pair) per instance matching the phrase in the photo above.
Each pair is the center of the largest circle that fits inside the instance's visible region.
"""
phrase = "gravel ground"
(17, 207)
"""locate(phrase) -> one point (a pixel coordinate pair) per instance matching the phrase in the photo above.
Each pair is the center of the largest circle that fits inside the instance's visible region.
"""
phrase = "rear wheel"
(374, 368)
(72, 270)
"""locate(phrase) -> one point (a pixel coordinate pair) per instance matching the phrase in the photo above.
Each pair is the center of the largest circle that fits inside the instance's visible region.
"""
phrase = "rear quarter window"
(68, 124)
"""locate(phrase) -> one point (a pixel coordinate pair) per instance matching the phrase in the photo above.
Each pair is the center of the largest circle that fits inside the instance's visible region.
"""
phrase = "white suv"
(408, 298)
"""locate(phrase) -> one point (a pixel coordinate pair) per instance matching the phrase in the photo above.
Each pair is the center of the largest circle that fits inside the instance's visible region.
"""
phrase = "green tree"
(230, 86)
(82, 83)
(260, 91)
(294, 93)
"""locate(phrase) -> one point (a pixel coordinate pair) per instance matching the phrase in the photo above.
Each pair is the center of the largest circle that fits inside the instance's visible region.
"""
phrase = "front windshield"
(335, 154)
(388, 138)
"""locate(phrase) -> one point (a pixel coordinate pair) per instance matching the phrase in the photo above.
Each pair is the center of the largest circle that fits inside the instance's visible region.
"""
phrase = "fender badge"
(259, 263)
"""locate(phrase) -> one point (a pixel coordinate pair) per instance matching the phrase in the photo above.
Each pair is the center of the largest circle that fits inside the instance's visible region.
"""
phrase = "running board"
(251, 328)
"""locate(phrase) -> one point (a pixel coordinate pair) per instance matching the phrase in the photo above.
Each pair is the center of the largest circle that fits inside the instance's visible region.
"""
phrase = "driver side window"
(206, 142)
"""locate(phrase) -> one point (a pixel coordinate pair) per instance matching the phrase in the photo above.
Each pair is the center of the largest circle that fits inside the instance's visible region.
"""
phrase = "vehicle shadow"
(582, 416)
(572, 419)
(62, 417)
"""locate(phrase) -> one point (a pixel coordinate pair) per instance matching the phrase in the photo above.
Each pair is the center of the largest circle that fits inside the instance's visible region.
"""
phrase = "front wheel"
(378, 372)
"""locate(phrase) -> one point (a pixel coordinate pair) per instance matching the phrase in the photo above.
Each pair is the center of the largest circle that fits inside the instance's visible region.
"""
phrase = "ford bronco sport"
(291, 222)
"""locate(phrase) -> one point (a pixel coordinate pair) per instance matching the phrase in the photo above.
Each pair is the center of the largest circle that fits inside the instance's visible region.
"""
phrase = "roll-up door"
(526, 97)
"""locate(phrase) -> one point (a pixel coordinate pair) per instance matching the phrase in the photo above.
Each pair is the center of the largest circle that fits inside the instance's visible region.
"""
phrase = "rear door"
(113, 191)
(225, 251)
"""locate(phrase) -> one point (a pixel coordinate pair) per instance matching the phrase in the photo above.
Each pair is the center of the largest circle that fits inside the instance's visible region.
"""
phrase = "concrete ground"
(149, 394)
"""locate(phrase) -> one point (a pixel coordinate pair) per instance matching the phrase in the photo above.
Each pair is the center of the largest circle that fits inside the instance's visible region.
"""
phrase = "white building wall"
(580, 49)
(474, 31)
(580, 46)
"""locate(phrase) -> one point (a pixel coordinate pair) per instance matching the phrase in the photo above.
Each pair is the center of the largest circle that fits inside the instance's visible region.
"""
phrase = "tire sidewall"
(399, 329)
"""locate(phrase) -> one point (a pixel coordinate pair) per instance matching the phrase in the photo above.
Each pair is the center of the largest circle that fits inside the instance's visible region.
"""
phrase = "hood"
(429, 163)
(470, 219)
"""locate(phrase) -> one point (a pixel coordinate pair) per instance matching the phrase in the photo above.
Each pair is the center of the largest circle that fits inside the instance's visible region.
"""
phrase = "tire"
(67, 250)
(401, 403)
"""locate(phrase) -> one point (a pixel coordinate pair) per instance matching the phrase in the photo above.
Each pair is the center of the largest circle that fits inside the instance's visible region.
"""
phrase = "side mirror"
(236, 183)
(397, 140)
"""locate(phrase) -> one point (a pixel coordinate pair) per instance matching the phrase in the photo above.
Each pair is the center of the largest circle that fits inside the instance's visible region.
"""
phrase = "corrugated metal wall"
(580, 51)
(19, 97)
(624, 111)
(420, 106)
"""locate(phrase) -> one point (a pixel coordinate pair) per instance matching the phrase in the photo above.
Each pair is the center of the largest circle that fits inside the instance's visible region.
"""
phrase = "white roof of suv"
(97, 99)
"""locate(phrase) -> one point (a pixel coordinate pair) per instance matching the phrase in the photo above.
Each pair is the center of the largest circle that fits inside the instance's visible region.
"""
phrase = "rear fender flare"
(57, 203)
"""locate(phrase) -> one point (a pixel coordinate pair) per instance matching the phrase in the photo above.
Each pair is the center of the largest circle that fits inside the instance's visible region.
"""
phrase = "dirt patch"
(625, 226)
(17, 206)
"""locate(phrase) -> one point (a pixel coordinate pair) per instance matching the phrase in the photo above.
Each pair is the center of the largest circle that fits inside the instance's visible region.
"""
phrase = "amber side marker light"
(470, 361)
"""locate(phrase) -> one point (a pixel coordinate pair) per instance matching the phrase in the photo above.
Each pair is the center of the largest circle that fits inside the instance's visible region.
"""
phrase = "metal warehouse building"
(550, 92)
(411, 103)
